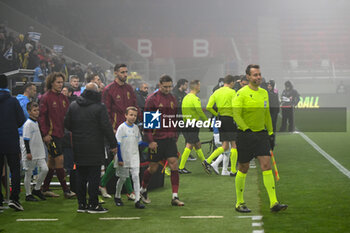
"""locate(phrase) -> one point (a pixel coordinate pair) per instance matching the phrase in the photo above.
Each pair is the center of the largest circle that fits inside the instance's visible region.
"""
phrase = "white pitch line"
(202, 217)
(257, 224)
(253, 217)
(37, 219)
(121, 218)
(342, 169)
(258, 231)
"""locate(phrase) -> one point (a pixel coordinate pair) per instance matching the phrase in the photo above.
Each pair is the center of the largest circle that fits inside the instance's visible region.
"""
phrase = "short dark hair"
(52, 78)
(251, 66)
(31, 105)
(243, 78)
(194, 83)
(3, 81)
(165, 78)
(118, 66)
(181, 82)
(27, 85)
(130, 108)
(229, 79)
(90, 77)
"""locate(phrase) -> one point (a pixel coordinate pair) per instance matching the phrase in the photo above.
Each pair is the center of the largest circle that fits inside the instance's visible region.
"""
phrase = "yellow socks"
(233, 158)
(269, 183)
(200, 154)
(215, 154)
(240, 183)
(184, 157)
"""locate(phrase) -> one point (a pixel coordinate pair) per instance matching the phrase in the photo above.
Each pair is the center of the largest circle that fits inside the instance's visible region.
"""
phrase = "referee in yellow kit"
(252, 115)
(223, 98)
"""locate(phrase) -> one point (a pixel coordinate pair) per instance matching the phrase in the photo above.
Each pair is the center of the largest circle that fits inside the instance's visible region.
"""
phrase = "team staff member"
(87, 119)
(192, 109)
(252, 115)
(162, 141)
(223, 98)
(11, 118)
(117, 96)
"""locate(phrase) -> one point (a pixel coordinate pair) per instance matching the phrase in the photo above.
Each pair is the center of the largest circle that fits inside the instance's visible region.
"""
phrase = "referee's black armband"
(26, 143)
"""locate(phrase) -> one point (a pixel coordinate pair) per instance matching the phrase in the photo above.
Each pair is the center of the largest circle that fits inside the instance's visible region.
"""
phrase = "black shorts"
(228, 129)
(252, 144)
(191, 135)
(166, 149)
(55, 147)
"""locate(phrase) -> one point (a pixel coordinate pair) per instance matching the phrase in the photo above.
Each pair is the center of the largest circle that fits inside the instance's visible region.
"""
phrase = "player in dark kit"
(162, 142)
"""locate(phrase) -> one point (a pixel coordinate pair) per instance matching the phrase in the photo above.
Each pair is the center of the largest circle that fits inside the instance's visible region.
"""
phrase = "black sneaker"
(118, 202)
(98, 209)
(243, 208)
(144, 198)
(39, 194)
(139, 205)
(184, 171)
(207, 167)
(278, 207)
(15, 205)
(31, 198)
(176, 202)
(82, 208)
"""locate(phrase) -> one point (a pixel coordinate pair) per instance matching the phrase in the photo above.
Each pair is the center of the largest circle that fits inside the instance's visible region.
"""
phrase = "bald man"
(88, 121)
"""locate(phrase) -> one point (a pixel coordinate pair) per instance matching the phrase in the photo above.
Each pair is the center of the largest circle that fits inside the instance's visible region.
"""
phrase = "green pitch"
(316, 192)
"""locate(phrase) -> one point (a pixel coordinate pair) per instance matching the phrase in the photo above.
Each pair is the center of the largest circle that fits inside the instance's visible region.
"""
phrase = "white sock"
(217, 161)
(174, 195)
(225, 162)
(142, 190)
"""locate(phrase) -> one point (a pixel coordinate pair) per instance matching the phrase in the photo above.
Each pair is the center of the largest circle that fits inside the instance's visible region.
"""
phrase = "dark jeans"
(287, 115)
(68, 159)
(85, 175)
(13, 160)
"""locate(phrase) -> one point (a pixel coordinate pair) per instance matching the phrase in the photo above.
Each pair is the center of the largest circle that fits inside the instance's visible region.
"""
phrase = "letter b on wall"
(144, 47)
(200, 48)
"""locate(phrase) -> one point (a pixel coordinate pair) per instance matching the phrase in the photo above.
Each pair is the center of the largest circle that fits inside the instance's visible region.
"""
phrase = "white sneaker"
(104, 193)
(225, 173)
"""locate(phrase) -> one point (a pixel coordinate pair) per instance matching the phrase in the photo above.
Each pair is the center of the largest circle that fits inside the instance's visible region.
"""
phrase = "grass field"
(317, 193)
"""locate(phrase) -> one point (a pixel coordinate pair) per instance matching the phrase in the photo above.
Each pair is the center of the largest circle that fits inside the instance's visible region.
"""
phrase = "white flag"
(9, 54)
(34, 36)
(58, 48)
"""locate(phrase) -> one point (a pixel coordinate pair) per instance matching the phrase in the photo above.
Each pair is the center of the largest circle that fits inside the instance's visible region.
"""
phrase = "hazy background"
(307, 42)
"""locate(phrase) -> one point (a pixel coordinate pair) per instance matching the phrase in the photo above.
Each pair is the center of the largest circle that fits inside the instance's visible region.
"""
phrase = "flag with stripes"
(9, 54)
(58, 48)
(34, 36)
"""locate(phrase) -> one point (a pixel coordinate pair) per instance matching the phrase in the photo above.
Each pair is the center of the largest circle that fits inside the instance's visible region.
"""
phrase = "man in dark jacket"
(289, 99)
(88, 121)
(273, 102)
(141, 96)
(11, 118)
(180, 92)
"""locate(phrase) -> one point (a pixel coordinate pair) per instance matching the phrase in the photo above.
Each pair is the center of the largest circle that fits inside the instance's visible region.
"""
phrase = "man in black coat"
(11, 118)
(88, 121)
(141, 96)
(289, 99)
(273, 102)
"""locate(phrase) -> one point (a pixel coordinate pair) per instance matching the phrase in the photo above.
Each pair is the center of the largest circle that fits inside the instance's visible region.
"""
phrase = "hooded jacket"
(87, 119)
(23, 101)
(11, 118)
(290, 97)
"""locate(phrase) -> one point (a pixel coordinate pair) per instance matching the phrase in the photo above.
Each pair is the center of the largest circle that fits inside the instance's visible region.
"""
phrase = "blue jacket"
(11, 118)
(23, 101)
